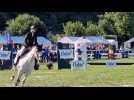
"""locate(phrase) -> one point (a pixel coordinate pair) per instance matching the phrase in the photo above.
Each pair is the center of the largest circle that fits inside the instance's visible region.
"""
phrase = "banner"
(5, 55)
(111, 63)
(66, 53)
(78, 64)
(131, 55)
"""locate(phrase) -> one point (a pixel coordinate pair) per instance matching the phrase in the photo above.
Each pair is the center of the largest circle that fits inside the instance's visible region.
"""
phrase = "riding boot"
(36, 67)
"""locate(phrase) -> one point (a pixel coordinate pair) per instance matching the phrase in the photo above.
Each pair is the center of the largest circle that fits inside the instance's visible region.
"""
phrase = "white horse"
(25, 66)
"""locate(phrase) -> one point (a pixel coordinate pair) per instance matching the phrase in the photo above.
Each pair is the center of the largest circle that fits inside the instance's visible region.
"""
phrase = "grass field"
(93, 76)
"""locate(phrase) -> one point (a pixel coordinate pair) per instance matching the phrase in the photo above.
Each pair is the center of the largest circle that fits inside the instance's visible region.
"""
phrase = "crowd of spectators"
(96, 51)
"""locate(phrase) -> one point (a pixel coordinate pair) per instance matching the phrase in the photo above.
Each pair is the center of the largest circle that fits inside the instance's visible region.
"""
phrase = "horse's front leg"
(13, 71)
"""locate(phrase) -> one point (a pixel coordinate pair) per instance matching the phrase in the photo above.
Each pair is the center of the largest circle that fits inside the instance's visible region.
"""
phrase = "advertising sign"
(78, 64)
(111, 63)
(5, 55)
(66, 53)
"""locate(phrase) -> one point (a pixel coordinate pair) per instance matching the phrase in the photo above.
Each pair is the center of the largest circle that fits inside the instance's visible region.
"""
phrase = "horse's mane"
(30, 53)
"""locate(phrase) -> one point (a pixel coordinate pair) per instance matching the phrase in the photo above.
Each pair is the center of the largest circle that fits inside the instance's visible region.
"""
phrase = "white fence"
(105, 55)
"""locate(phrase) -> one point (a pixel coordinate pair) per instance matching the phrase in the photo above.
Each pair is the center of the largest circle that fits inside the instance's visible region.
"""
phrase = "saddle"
(36, 66)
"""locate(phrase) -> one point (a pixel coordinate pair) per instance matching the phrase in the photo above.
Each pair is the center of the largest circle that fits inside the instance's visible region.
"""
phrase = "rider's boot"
(36, 67)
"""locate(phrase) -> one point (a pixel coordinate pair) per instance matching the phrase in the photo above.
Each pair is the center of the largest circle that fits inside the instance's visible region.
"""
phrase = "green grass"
(93, 76)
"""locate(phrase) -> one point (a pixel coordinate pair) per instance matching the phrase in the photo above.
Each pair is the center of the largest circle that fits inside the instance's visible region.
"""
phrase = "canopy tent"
(88, 39)
(2, 39)
(21, 39)
(110, 41)
(84, 40)
(127, 44)
(96, 39)
(68, 39)
(74, 39)
(18, 39)
(43, 40)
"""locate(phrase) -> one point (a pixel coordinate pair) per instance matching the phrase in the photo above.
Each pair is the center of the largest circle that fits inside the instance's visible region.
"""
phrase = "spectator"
(110, 54)
(40, 56)
(2, 48)
(2, 61)
(14, 51)
(45, 54)
(54, 57)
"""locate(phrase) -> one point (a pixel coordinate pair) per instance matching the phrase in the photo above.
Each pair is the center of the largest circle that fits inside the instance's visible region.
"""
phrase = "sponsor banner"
(5, 55)
(78, 64)
(131, 54)
(111, 63)
(66, 53)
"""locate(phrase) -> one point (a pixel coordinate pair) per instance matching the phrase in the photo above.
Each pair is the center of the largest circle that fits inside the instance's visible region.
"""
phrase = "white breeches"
(19, 53)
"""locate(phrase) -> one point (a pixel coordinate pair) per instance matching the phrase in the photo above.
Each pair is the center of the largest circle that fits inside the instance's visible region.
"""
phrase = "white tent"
(112, 42)
(127, 44)
(74, 39)
(85, 40)
(68, 39)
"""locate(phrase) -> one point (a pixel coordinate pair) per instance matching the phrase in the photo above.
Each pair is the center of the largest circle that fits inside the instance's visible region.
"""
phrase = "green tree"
(115, 23)
(74, 28)
(55, 38)
(93, 29)
(21, 24)
(106, 27)
(130, 27)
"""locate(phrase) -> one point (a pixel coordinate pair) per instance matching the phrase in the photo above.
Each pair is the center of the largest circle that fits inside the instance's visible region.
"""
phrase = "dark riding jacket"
(30, 40)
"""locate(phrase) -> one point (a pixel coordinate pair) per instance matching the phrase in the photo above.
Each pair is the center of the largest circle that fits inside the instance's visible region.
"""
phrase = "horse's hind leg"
(19, 74)
(24, 79)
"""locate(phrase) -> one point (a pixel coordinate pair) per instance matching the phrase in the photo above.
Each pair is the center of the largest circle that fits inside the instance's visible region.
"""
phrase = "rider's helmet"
(34, 28)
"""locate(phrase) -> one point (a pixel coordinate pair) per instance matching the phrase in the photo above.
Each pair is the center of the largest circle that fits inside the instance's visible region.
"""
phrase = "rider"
(30, 41)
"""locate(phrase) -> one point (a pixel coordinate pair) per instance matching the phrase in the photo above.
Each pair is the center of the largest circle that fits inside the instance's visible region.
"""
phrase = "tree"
(121, 23)
(115, 23)
(106, 24)
(130, 27)
(56, 37)
(74, 28)
(21, 24)
(53, 20)
(93, 29)
(3, 17)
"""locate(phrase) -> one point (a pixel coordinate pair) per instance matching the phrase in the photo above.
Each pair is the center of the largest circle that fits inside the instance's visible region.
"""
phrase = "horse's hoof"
(12, 78)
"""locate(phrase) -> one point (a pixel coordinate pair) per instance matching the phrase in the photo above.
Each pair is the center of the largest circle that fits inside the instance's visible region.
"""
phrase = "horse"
(25, 66)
